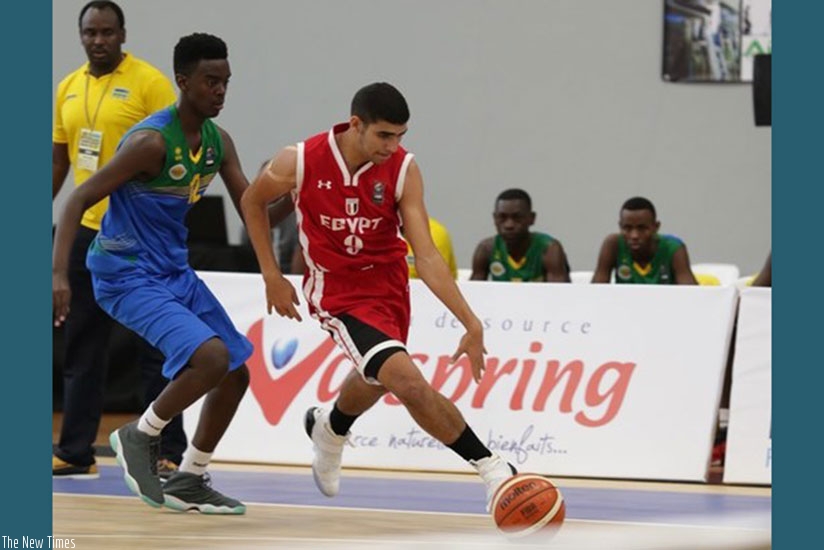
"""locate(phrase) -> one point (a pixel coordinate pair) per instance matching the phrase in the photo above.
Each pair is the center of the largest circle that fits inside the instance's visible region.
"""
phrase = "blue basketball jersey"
(144, 230)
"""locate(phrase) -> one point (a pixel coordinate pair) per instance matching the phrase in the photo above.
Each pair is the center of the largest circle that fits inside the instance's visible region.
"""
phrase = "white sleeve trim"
(299, 166)
(402, 176)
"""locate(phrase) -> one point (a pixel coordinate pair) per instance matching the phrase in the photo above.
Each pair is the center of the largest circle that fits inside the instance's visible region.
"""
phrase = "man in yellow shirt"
(95, 105)
(440, 236)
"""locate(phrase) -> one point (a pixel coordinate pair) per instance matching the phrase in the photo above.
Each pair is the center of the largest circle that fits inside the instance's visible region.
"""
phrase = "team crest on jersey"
(496, 268)
(210, 156)
(378, 189)
(352, 206)
(624, 272)
(177, 172)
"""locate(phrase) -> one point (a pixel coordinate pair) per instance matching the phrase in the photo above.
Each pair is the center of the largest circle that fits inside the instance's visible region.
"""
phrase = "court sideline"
(378, 509)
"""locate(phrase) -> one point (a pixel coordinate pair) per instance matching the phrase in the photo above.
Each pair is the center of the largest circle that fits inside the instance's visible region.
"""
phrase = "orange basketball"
(528, 505)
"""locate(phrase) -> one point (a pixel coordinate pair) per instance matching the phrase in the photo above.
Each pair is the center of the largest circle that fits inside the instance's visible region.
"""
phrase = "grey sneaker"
(187, 491)
(494, 471)
(328, 448)
(137, 453)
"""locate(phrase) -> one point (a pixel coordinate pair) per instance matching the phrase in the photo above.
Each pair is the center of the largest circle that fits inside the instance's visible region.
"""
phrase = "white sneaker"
(328, 448)
(494, 471)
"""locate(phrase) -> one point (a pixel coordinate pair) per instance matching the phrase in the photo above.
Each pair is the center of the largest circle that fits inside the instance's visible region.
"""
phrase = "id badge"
(88, 150)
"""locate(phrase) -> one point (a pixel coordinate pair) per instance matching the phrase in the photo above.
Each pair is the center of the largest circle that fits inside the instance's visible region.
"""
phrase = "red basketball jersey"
(348, 222)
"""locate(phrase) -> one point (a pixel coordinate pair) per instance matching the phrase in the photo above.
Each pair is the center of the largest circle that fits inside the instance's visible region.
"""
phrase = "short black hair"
(515, 195)
(194, 47)
(380, 101)
(102, 5)
(639, 203)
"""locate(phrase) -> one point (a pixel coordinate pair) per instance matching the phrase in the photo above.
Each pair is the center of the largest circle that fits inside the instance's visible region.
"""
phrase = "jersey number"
(353, 244)
(194, 188)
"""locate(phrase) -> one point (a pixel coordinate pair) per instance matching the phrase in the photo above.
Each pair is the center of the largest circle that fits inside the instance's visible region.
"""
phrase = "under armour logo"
(324, 184)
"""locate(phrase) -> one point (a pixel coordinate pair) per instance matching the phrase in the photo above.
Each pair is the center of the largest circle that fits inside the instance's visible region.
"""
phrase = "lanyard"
(92, 122)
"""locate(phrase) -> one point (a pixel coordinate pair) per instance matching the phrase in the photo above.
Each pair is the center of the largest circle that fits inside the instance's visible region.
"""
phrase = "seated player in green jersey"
(639, 255)
(517, 254)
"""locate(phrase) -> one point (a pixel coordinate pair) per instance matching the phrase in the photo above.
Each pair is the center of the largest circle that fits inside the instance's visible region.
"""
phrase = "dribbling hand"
(282, 297)
(472, 344)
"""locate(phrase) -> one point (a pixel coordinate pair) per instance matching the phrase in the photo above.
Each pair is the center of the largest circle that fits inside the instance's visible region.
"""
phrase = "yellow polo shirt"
(110, 104)
(440, 236)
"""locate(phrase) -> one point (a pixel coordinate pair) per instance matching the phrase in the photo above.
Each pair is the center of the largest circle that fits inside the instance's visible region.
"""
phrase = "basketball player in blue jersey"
(142, 278)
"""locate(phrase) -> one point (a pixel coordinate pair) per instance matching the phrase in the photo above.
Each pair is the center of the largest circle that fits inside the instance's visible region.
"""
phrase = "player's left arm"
(231, 172)
(432, 269)
(681, 267)
(448, 253)
(555, 263)
(236, 183)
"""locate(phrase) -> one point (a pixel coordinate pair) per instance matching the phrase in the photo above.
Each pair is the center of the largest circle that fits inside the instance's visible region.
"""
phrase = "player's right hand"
(61, 297)
(282, 297)
(472, 344)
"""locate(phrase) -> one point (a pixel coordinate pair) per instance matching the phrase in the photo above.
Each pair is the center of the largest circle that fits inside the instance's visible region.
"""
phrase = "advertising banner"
(581, 380)
(749, 434)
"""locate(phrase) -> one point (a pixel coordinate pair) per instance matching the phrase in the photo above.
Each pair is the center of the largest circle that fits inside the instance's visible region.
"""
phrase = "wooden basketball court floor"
(406, 511)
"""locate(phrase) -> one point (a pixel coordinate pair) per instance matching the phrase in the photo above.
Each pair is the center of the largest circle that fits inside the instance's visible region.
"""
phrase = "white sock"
(150, 423)
(195, 461)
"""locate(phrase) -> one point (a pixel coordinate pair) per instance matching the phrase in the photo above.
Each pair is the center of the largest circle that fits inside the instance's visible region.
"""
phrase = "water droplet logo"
(282, 352)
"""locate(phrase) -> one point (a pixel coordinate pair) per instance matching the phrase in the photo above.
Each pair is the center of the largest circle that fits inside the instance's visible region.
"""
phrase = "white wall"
(563, 98)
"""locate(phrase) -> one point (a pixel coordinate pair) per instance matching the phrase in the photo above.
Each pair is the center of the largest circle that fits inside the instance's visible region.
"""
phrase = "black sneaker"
(137, 453)
(187, 491)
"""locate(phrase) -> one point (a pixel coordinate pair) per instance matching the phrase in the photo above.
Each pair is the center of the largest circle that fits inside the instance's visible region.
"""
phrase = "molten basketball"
(528, 505)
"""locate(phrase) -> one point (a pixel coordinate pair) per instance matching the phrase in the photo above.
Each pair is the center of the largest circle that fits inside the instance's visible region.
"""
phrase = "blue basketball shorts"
(175, 313)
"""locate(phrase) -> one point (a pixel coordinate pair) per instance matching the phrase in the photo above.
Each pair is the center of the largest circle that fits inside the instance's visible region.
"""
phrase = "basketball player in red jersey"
(351, 187)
